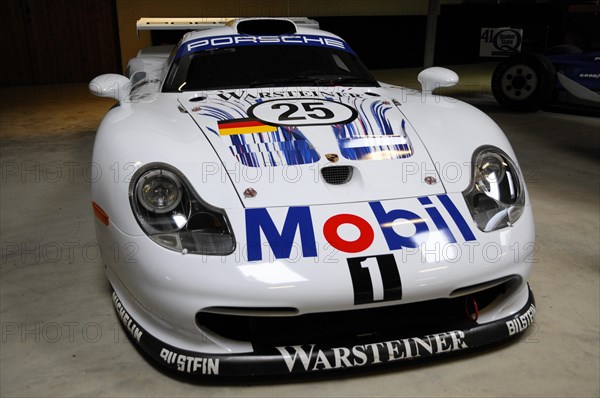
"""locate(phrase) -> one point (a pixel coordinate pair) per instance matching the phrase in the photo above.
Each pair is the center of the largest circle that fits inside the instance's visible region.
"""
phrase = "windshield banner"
(215, 42)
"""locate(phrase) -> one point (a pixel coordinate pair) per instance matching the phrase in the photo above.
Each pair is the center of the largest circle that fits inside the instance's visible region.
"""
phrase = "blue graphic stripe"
(383, 123)
(383, 152)
(220, 114)
(372, 137)
(462, 225)
(286, 146)
(440, 224)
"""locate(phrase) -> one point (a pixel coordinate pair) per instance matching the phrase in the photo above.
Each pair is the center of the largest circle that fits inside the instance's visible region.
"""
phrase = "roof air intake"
(266, 27)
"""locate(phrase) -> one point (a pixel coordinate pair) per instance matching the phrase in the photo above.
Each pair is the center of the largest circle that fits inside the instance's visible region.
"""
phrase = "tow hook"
(471, 308)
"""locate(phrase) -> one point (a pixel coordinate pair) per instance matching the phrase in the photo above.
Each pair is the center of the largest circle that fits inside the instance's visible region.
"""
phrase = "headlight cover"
(159, 191)
(496, 197)
(172, 214)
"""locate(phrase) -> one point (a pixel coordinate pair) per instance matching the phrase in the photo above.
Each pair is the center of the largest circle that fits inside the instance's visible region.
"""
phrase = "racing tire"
(524, 82)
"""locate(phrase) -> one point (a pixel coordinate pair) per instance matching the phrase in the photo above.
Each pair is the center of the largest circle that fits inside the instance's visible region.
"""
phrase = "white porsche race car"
(266, 207)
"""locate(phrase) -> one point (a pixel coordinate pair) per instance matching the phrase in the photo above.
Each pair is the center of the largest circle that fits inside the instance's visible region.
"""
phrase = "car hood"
(311, 146)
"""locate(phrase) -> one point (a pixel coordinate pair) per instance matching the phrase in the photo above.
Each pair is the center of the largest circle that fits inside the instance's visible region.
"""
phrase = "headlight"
(172, 214)
(496, 197)
(159, 191)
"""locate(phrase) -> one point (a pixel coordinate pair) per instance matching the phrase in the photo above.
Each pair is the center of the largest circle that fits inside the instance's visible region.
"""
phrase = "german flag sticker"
(244, 126)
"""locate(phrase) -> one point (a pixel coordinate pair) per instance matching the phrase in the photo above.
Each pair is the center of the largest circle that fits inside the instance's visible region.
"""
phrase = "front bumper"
(361, 351)
(183, 309)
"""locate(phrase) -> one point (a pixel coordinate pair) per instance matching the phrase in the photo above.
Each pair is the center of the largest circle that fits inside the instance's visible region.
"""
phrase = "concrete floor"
(60, 335)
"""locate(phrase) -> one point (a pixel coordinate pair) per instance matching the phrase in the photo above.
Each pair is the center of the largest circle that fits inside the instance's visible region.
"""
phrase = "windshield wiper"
(336, 79)
(316, 80)
(281, 81)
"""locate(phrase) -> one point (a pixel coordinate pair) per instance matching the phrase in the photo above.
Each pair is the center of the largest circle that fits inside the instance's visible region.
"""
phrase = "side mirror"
(435, 77)
(110, 85)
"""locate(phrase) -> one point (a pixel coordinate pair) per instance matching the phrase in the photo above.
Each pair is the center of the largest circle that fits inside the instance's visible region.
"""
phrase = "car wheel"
(524, 82)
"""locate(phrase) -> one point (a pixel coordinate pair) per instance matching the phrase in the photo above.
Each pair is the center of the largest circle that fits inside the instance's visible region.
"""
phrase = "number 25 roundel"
(302, 112)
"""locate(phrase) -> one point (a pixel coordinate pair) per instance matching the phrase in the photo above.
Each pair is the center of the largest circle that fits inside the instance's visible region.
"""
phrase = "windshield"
(266, 66)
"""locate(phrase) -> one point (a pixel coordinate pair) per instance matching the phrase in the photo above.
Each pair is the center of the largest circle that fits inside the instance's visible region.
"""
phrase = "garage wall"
(57, 41)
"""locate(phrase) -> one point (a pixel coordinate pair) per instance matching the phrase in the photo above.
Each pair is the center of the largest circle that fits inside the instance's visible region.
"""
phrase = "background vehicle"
(564, 75)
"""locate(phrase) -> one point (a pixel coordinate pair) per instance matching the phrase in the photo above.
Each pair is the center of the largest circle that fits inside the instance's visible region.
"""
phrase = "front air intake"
(288, 328)
(337, 175)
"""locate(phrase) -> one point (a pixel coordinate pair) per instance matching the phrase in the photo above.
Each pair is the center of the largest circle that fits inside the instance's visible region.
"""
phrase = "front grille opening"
(252, 311)
(337, 175)
(392, 322)
(510, 282)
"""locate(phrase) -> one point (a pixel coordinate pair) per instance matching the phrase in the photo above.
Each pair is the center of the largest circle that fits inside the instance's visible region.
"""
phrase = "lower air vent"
(509, 283)
(262, 329)
(251, 311)
(337, 175)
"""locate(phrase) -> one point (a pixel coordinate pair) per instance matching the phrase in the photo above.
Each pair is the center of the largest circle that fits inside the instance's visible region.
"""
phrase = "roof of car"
(231, 28)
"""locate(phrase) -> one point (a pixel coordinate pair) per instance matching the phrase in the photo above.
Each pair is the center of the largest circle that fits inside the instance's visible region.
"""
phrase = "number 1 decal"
(375, 278)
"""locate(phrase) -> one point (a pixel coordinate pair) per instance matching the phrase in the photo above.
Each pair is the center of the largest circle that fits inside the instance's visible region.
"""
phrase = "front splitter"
(318, 358)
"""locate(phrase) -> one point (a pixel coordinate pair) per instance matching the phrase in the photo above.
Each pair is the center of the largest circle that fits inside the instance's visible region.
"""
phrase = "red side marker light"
(100, 214)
